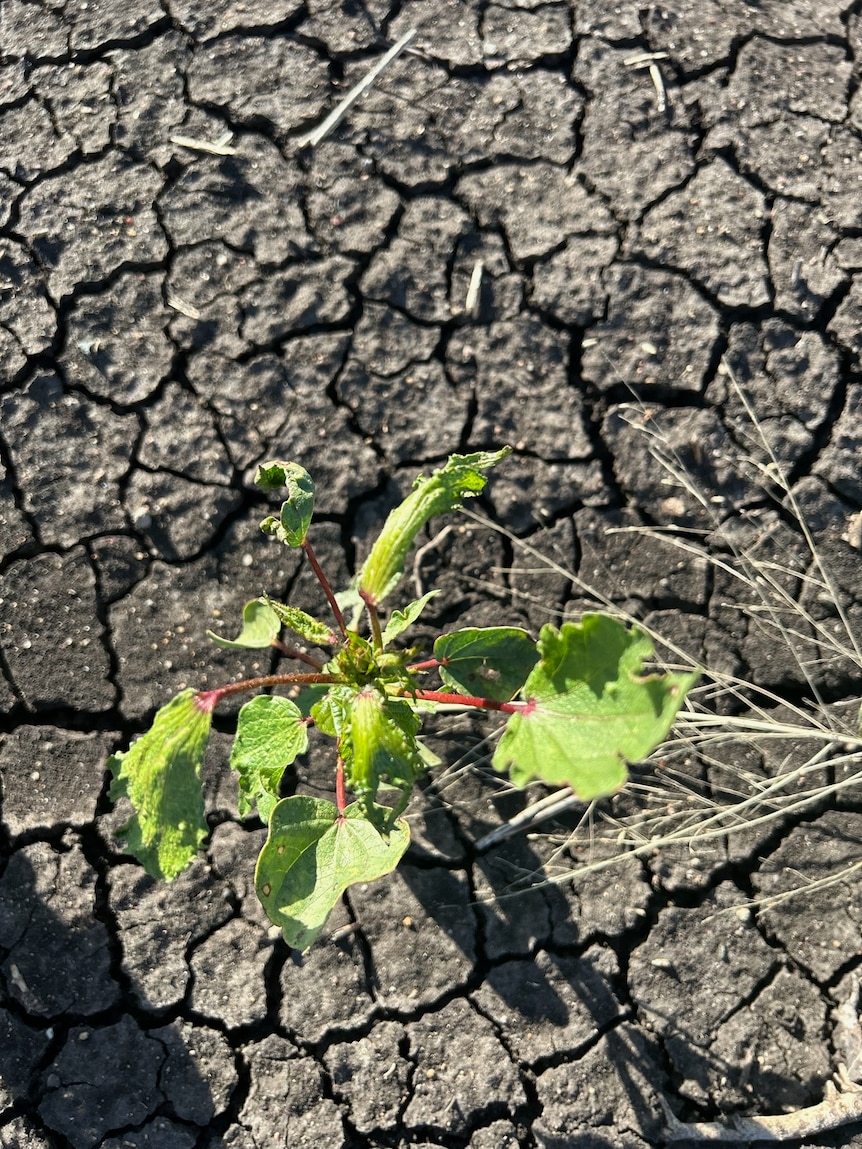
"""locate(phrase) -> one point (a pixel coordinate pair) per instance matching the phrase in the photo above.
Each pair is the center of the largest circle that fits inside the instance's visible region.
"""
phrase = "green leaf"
(492, 662)
(590, 708)
(310, 858)
(379, 745)
(291, 526)
(461, 477)
(399, 620)
(160, 775)
(270, 732)
(376, 738)
(430, 760)
(311, 629)
(331, 713)
(260, 625)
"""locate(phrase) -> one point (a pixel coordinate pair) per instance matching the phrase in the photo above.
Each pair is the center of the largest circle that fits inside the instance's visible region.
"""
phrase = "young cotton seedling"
(578, 705)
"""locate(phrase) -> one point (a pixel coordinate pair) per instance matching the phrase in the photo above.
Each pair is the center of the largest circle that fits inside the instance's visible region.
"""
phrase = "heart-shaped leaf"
(311, 857)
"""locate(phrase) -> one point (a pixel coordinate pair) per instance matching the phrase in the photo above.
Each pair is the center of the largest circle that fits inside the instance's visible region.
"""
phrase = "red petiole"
(327, 588)
(374, 619)
(475, 701)
(207, 700)
(340, 790)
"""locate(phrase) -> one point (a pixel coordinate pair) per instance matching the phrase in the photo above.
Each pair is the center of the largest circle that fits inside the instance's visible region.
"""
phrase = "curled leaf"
(399, 620)
(331, 712)
(462, 477)
(292, 525)
(301, 623)
(376, 739)
(160, 775)
(379, 744)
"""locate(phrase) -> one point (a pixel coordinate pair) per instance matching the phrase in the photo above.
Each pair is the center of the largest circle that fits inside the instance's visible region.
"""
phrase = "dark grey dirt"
(171, 316)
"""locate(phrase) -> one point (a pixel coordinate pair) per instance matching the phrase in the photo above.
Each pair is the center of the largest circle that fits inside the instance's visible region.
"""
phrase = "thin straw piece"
(547, 807)
(340, 110)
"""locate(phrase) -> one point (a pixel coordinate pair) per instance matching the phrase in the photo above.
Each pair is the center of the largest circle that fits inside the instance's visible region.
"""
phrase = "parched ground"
(650, 203)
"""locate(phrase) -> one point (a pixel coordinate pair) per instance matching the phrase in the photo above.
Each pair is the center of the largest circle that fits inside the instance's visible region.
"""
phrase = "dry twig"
(356, 92)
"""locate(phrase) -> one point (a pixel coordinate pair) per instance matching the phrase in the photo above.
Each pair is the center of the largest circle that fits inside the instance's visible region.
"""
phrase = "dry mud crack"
(624, 239)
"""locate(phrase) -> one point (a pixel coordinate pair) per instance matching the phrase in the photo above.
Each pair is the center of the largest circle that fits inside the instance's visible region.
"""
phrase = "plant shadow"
(82, 1055)
(552, 975)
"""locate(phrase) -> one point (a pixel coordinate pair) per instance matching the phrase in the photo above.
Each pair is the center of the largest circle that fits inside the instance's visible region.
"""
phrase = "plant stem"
(299, 655)
(428, 664)
(473, 700)
(340, 792)
(374, 619)
(327, 589)
(207, 700)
